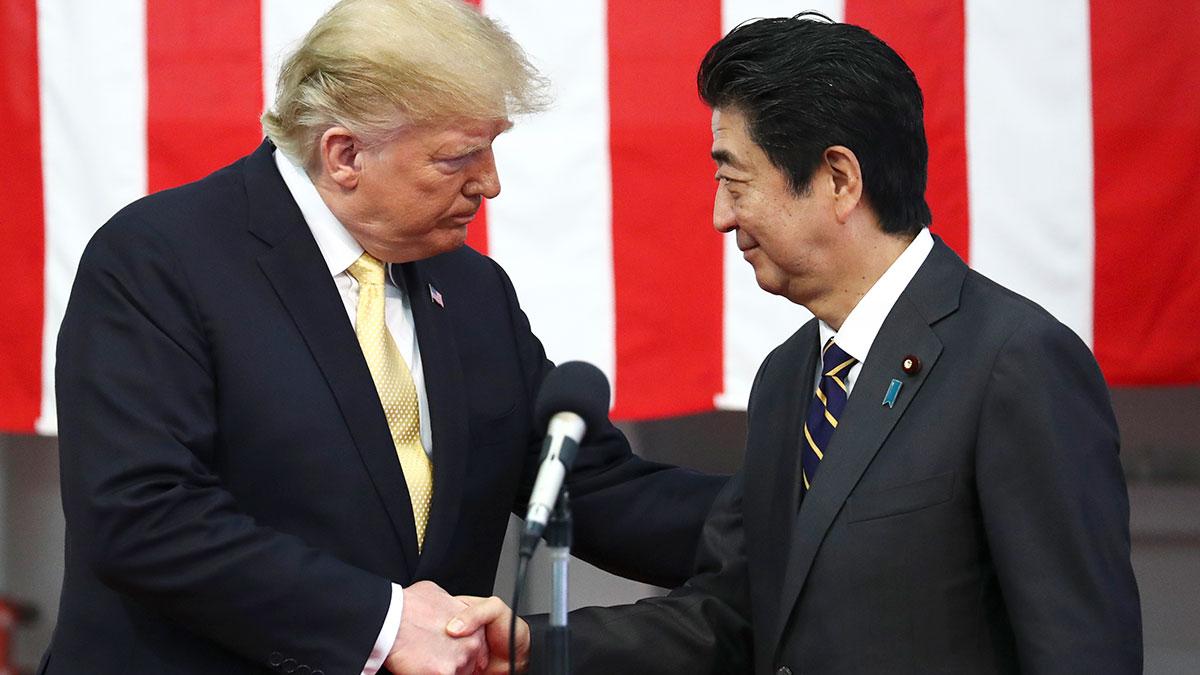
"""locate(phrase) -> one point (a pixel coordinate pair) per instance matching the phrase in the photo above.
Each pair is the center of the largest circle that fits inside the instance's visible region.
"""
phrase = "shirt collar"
(862, 324)
(338, 247)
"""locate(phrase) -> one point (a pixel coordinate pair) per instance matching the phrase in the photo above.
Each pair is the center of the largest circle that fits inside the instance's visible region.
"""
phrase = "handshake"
(460, 635)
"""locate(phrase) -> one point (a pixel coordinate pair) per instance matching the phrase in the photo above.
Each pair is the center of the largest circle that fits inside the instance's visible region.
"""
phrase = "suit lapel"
(446, 390)
(781, 418)
(773, 475)
(932, 294)
(298, 273)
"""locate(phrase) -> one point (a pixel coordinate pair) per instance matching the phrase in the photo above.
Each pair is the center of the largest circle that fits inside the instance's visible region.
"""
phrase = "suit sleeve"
(701, 627)
(145, 505)
(1054, 506)
(635, 518)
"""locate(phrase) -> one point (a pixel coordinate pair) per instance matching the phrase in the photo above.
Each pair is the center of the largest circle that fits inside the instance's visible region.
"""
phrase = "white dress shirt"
(862, 324)
(340, 250)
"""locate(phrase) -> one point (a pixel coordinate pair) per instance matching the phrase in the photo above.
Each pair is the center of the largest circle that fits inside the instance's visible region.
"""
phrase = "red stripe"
(22, 236)
(666, 256)
(477, 231)
(204, 82)
(1146, 117)
(930, 36)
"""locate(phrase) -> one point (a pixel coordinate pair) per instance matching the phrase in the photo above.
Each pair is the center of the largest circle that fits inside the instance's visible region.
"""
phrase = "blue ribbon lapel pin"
(889, 399)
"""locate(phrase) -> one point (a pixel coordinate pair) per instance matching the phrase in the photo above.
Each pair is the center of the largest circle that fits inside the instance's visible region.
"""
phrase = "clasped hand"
(444, 635)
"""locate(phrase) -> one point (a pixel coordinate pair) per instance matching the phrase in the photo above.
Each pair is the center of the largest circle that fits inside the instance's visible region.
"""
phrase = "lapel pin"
(889, 399)
(436, 297)
(911, 365)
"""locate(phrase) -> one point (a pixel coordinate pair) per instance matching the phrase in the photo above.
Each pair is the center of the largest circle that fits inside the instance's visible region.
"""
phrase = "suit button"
(303, 670)
(275, 659)
(289, 666)
(783, 670)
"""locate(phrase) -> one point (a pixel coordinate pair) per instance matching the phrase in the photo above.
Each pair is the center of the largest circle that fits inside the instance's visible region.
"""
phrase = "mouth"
(463, 218)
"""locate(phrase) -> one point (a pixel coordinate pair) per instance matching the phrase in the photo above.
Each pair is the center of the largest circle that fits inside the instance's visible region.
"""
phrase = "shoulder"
(179, 217)
(778, 369)
(1009, 316)
(1025, 341)
(465, 271)
(463, 260)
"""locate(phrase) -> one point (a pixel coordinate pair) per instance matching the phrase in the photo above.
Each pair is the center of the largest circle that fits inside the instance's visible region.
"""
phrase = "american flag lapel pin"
(436, 296)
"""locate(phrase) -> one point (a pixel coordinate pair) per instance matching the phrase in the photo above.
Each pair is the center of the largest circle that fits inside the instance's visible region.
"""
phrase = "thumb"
(476, 616)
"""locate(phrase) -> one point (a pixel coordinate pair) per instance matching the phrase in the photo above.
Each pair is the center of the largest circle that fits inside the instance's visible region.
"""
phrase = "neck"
(864, 262)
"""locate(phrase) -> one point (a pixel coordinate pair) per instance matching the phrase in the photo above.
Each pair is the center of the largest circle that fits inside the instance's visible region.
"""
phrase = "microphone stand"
(558, 544)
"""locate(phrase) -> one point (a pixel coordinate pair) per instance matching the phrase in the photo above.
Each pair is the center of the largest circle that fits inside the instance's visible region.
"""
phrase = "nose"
(485, 179)
(723, 219)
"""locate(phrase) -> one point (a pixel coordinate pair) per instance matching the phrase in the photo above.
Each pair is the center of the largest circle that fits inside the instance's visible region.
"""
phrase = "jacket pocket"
(492, 428)
(901, 499)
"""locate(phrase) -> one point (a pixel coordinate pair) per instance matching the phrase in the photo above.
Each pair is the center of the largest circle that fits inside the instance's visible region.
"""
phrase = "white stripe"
(284, 24)
(1029, 142)
(92, 69)
(755, 321)
(734, 12)
(551, 227)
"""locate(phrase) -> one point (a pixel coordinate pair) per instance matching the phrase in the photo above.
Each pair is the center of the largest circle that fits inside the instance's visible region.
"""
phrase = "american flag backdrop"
(1065, 163)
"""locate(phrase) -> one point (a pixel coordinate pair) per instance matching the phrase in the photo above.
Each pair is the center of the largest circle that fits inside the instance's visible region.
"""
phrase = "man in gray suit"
(931, 480)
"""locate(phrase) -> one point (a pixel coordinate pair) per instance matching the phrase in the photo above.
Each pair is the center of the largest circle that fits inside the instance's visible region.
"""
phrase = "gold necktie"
(395, 385)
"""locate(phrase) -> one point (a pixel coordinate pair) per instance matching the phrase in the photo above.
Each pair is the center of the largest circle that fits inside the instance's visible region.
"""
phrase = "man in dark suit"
(931, 482)
(247, 362)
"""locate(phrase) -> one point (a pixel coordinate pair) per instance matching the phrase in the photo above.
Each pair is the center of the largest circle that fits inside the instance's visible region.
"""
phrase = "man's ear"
(340, 155)
(846, 174)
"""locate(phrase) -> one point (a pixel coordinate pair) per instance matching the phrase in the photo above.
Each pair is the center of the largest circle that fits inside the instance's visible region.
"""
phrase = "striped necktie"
(394, 382)
(826, 407)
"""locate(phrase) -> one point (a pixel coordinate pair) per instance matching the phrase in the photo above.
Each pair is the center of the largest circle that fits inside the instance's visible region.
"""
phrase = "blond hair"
(373, 66)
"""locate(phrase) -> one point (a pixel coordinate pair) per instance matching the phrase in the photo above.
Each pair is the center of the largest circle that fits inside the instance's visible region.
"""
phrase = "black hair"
(804, 84)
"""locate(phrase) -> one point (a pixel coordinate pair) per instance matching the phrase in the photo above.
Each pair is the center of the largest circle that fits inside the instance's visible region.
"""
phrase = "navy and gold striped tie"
(825, 409)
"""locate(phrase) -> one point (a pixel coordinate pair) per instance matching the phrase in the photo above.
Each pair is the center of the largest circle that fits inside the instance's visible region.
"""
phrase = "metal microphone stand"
(558, 544)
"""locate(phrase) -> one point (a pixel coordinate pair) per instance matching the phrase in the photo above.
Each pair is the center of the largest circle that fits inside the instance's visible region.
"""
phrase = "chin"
(770, 285)
(445, 244)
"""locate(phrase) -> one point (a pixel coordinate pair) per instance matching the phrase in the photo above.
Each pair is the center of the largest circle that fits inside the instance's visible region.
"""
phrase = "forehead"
(732, 145)
(457, 132)
(727, 125)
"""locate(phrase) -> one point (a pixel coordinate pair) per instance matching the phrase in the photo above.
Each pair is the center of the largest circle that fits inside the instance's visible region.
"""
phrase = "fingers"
(491, 617)
(482, 655)
(481, 613)
(422, 644)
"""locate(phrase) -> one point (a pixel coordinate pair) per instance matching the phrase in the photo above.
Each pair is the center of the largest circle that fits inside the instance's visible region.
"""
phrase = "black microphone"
(573, 398)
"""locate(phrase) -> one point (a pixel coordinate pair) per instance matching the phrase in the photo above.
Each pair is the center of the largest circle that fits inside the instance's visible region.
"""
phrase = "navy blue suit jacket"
(233, 499)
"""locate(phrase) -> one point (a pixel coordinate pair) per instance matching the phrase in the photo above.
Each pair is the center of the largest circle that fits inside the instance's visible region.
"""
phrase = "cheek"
(753, 215)
(447, 194)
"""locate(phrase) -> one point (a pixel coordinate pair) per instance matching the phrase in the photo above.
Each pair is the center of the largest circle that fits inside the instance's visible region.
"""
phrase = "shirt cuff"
(387, 634)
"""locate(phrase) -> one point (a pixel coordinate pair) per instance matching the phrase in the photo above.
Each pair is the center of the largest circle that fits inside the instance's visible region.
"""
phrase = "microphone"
(573, 399)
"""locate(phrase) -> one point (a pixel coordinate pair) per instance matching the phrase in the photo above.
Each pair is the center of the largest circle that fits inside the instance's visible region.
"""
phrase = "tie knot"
(836, 361)
(367, 269)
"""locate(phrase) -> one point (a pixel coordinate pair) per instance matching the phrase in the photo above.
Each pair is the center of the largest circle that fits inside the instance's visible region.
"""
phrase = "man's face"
(417, 192)
(788, 239)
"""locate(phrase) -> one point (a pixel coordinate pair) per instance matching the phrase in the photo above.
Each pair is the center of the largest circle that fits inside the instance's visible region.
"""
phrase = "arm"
(702, 627)
(634, 518)
(1054, 506)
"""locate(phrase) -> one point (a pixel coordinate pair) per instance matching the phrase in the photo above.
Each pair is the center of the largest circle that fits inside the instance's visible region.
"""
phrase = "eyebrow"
(463, 152)
(723, 156)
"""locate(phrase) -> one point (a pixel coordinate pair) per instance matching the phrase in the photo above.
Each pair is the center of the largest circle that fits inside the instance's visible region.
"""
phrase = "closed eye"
(457, 163)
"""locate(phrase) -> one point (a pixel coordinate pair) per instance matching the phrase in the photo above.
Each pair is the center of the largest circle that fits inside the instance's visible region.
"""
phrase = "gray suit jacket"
(980, 525)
